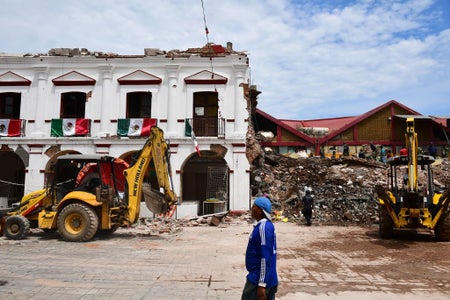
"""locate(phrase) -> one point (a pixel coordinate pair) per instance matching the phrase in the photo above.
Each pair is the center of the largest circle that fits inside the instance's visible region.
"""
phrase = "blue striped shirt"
(261, 255)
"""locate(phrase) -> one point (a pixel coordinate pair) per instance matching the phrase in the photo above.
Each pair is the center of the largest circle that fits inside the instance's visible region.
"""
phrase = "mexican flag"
(70, 127)
(189, 131)
(10, 127)
(135, 127)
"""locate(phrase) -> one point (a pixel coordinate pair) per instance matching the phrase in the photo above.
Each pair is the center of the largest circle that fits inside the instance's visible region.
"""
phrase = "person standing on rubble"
(374, 151)
(382, 154)
(432, 150)
(361, 153)
(261, 255)
(346, 150)
(307, 206)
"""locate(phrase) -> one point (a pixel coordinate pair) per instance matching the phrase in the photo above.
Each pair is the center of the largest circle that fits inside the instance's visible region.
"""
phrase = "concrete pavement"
(205, 262)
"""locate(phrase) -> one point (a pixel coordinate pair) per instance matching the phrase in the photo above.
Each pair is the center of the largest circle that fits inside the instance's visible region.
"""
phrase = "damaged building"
(111, 100)
(289, 156)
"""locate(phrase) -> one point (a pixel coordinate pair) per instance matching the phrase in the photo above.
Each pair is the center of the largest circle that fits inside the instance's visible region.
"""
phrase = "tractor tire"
(442, 229)
(386, 229)
(16, 227)
(77, 223)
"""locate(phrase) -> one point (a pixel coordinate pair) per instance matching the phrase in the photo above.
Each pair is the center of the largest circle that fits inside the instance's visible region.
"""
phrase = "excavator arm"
(155, 149)
(413, 148)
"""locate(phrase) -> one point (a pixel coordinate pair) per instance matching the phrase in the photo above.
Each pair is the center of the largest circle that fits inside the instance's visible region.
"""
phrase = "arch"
(205, 177)
(23, 154)
(12, 176)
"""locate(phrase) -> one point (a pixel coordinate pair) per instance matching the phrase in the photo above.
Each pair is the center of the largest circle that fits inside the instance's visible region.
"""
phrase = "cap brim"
(268, 216)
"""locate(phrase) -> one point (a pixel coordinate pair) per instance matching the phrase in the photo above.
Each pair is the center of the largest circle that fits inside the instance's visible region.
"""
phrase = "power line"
(11, 183)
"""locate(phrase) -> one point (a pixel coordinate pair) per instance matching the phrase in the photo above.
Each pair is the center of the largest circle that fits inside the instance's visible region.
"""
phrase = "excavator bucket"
(154, 200)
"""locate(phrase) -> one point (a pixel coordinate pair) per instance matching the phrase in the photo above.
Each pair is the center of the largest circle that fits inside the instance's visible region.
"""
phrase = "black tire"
(386, 229)
(442, 229)
(16, 227)
(77, 223)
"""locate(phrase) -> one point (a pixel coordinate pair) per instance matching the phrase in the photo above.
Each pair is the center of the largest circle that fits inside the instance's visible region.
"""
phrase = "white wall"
(172, 100)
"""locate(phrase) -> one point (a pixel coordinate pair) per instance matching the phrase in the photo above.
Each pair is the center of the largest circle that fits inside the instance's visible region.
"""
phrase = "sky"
(310, 59)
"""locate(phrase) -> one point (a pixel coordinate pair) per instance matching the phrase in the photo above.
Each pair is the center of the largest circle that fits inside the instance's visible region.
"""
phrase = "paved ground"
(207, 262)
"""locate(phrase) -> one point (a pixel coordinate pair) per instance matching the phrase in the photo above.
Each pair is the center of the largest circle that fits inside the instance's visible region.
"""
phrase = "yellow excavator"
(90, 194)
(412, 201)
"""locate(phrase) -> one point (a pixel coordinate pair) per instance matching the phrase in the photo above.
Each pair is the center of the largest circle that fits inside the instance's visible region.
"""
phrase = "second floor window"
(10, 105)
(139, 105)
(206, 107)
(73, 105)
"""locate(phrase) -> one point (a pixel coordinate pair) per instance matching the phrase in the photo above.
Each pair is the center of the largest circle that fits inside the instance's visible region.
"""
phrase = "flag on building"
(10, 127)
(189, 131)
(135, 127)
(69, 127)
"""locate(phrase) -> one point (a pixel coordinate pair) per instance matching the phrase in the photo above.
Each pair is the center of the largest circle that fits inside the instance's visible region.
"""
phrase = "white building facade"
(75, 101)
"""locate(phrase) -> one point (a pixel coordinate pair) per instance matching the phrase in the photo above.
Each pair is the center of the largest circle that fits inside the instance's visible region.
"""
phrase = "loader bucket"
(154, 200)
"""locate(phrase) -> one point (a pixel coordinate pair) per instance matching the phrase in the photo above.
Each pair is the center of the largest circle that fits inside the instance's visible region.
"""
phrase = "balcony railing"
(12, 127)
(213, 127)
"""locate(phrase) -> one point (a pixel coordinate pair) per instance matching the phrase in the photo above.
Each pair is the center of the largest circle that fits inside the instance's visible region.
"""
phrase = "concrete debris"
(343, 191)
(343, 188)
(265, 136)
(209, 50)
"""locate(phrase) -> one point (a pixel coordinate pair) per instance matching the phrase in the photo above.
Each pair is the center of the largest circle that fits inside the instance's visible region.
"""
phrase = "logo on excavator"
(138, 175)
(26, 208)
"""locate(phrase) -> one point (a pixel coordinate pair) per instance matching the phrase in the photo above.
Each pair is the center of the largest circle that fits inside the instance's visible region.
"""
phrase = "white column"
(34, 179)
(41, 74)
(173, 104)
(107, 105)
(240, 112)
(240, 180)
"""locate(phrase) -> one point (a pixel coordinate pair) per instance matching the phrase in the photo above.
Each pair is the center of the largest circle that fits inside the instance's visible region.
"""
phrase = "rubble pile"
(343, 188)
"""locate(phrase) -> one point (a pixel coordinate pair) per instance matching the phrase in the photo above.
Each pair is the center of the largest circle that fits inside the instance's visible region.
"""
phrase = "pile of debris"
(343, 188)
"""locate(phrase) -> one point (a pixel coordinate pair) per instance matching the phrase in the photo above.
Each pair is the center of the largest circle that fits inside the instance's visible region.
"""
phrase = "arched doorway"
(205, 178)
(12, 177)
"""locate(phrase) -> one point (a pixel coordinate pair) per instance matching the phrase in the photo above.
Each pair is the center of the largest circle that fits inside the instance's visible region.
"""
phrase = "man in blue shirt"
(261, 255)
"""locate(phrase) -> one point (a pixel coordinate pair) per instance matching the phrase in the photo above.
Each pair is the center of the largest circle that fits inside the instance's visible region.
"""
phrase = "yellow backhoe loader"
(412, 201)
(91, 194)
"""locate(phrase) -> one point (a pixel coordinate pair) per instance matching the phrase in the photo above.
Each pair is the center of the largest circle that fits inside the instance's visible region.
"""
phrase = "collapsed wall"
(343, 188)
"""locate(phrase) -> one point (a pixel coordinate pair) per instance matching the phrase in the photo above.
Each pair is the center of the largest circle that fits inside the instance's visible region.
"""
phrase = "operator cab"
(82, 172)
(398, 181)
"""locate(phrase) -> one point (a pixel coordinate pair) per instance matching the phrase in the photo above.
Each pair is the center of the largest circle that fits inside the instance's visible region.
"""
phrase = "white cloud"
(310, 59)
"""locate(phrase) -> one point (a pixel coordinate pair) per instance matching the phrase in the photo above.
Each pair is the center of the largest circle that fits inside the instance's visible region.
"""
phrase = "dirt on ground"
(332, 261)
(169, 259)
(346, 261)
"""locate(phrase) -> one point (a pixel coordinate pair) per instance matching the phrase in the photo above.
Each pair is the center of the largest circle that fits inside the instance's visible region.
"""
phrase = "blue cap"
(265, 205)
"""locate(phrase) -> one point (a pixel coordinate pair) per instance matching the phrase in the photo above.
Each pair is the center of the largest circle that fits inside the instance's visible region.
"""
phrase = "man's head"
(261, 208)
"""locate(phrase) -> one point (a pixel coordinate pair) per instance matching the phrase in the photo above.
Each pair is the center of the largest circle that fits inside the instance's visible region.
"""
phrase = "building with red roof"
(384, 125)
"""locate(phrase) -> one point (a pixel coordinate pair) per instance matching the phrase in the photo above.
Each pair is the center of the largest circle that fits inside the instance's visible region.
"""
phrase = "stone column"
(173, 103)
(107, 105)
(40, 108)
